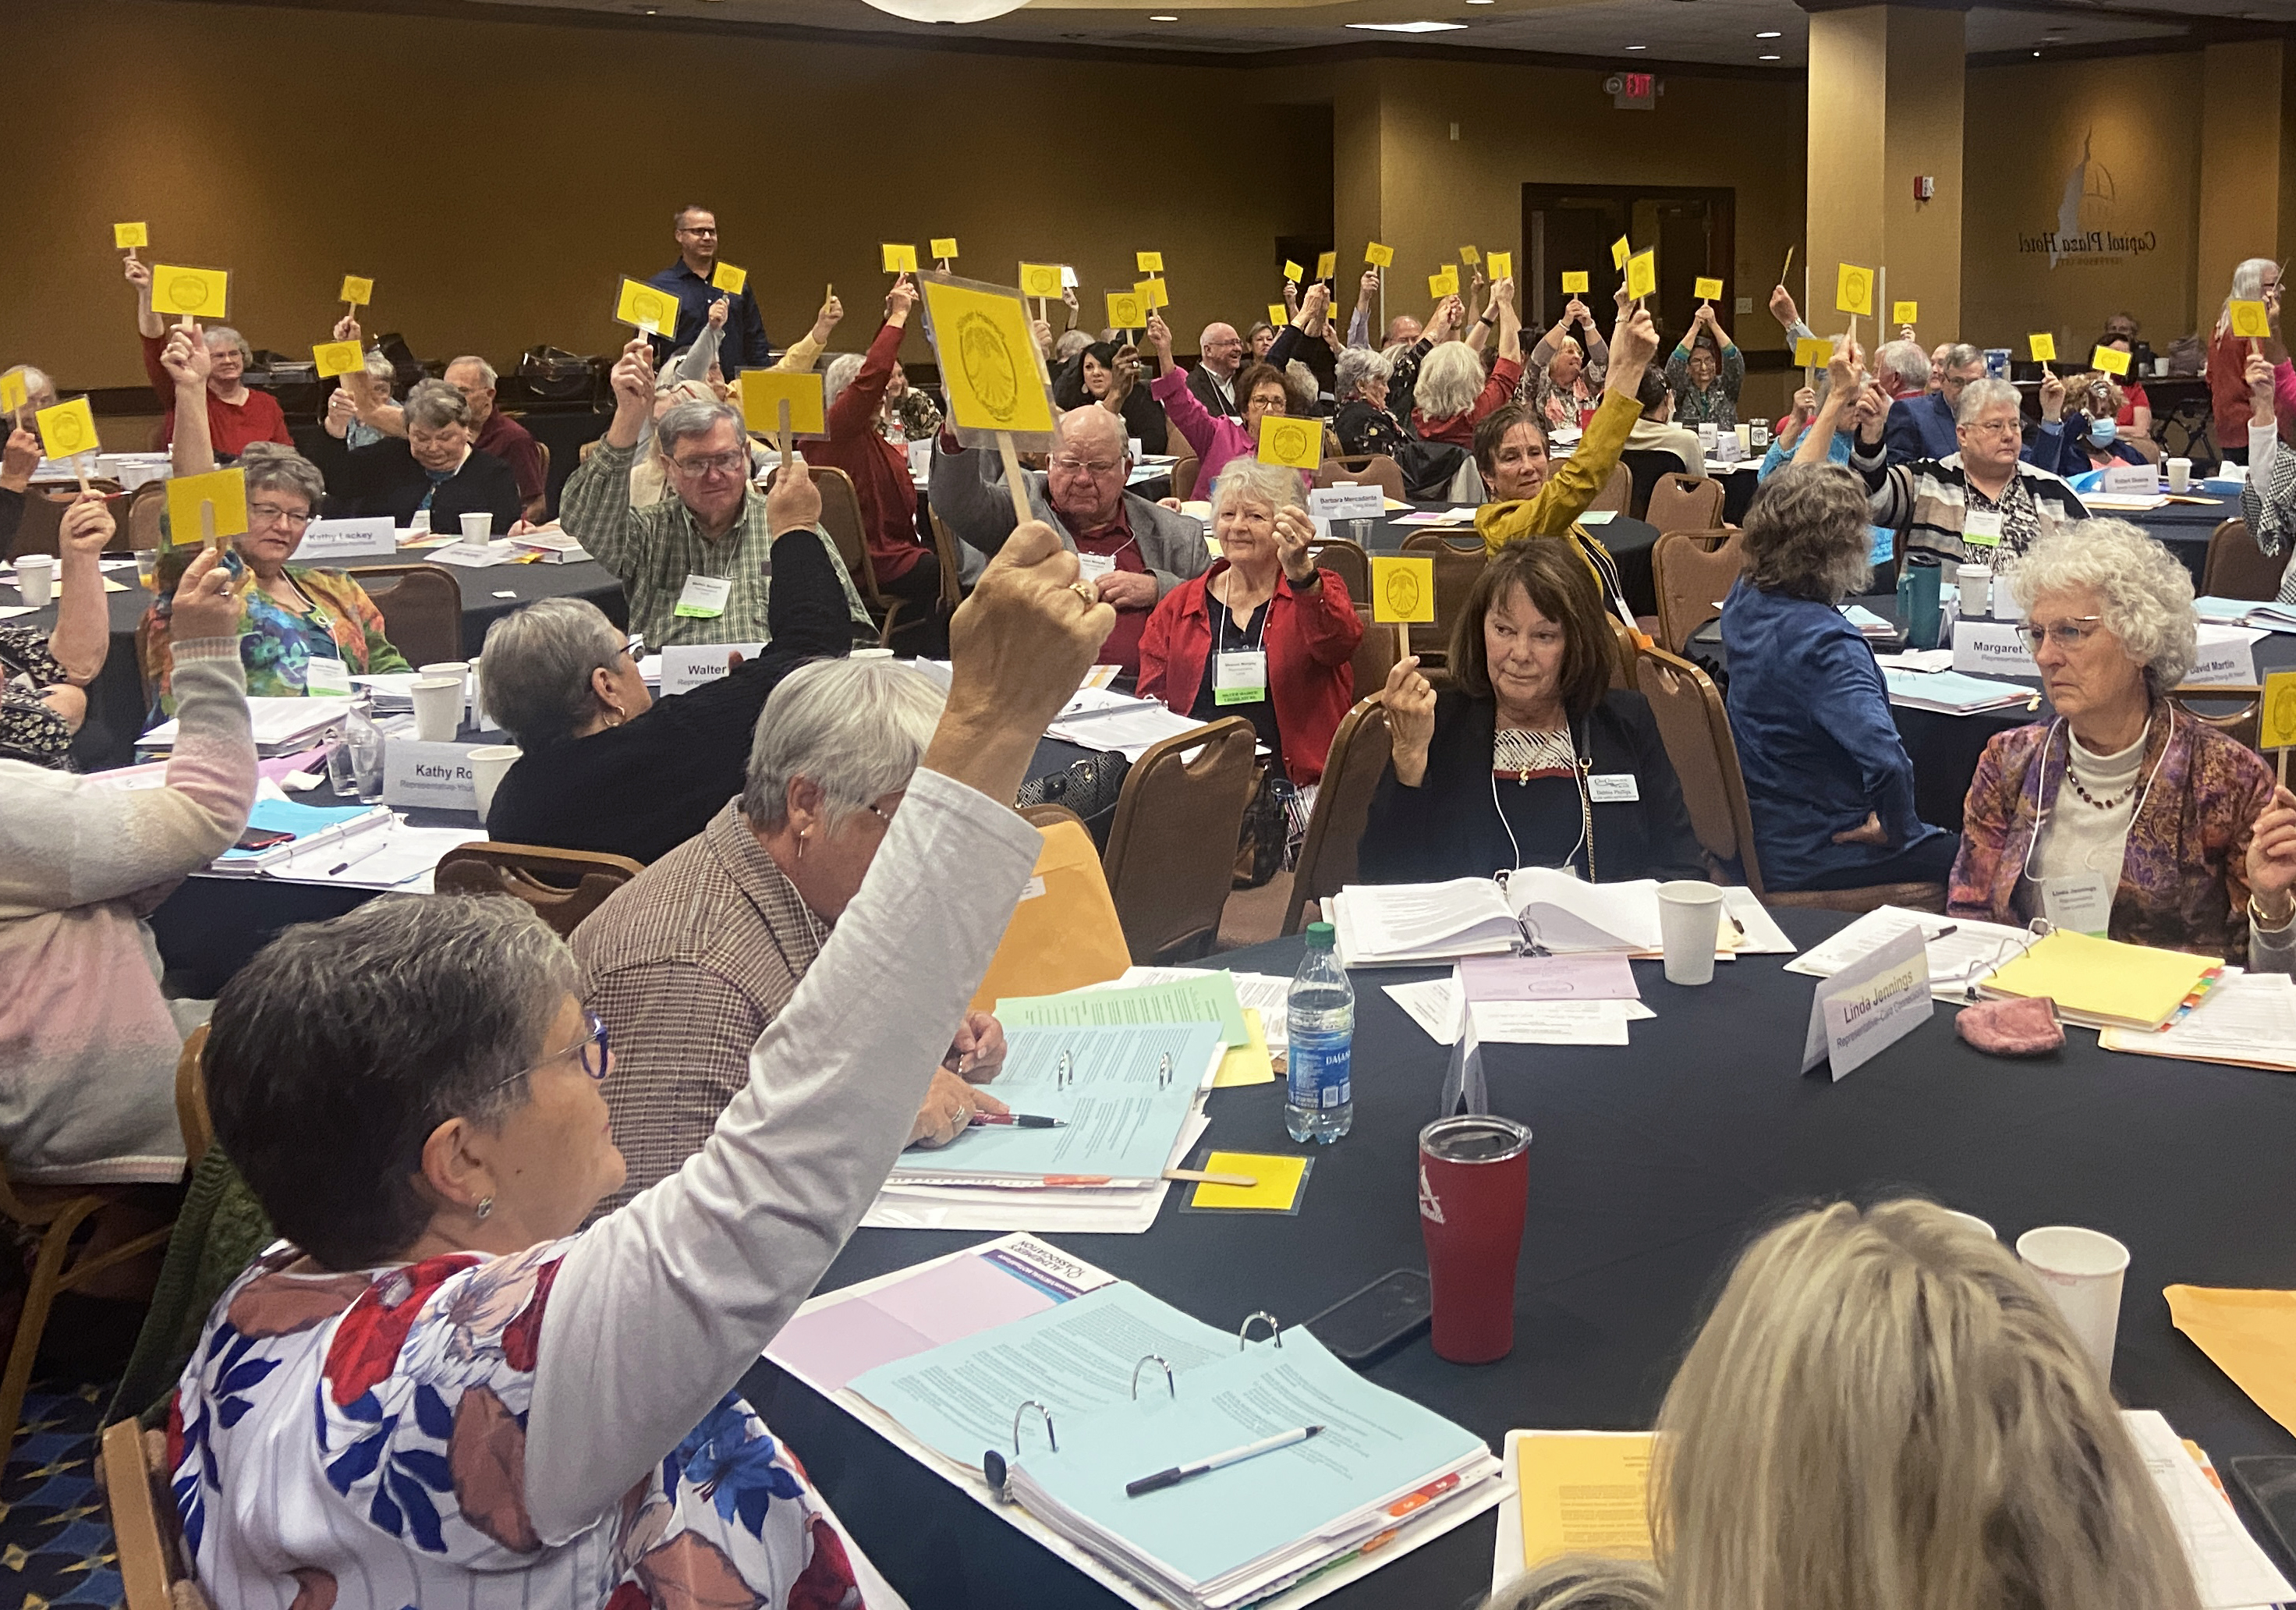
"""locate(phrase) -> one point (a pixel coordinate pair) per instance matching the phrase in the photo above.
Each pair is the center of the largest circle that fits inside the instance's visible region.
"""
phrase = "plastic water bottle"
(362, 751)
(1319, 1098)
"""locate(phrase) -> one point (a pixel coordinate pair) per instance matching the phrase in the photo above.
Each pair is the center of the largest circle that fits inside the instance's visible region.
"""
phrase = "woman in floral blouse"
(1561, 382)
(1706, 371)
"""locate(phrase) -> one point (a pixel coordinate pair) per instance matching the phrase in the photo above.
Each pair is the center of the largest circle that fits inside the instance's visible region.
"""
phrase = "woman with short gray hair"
(1452, 396)
(2123, 814)
(432, 476)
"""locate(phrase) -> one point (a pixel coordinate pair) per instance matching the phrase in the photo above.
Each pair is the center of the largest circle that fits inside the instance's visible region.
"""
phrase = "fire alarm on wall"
(1924, 188)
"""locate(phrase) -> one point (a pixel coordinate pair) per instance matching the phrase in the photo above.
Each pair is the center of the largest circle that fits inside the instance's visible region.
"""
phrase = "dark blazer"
(1449, 826)
(384, 479)
(1199, 382)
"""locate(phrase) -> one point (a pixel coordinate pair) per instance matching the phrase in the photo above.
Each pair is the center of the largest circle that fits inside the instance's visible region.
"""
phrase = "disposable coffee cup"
(1745, 434)
(459, 670)
(489, 762)
(2180, 474)
(1689, 922)
(36, 579)
(1976, 584)
(1475, 1188)
(2082, 1269)
(438, 708)
(1971, 1222)
(479, 527)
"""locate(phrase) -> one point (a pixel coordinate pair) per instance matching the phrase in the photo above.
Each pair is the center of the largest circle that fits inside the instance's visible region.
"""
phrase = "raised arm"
(185, 360)
(1171, 388)
(855, 411)
(595, 508)
(805, 351)
(83, 629)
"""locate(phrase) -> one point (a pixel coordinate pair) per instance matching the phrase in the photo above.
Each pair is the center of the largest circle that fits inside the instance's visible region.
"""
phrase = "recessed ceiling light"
(1638, 47)
(1421, 27)
(1770, 58)
(1770, 34)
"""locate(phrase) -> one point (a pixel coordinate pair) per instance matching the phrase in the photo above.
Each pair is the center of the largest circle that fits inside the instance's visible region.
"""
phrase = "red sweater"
(1506, 372)
(878, 468)
(1311, 637)
(231, 426)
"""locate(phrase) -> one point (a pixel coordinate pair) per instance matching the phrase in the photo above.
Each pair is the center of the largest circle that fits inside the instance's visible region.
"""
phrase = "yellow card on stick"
(899, 258)
(1279, 1178)
(989, 365)
(1642, 274)
(1468, 254)
(650, 309)
(2276, 725)
(1127, 311)
(1853, 289)
(1905, 313)
(13, 394)
(2251, 321)
(943, 245)
(1040, 279)
(1296, 442)
(1378, 256)
(1621, 249)
(1446, 284)
(1813, 352)
(1148, 262)
(2109, 360)
(357, 292)
(1403, 590)
(1278, 315)
(339, 357)
(2043, 347)
(222, 492)
(1327, 264)
(1574, 283)
(729, 279)
(1500, 266)
(127, 237)
(1153, 292)
(68, 428)
(202, 292)
(1707, 290)
(1292, 273)
(763, 392)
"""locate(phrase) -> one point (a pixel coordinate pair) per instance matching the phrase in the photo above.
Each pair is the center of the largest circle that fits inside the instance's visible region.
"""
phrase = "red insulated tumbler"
(1474, 1187)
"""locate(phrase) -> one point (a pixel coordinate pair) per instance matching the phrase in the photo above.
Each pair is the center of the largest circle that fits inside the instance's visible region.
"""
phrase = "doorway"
(1569, 228)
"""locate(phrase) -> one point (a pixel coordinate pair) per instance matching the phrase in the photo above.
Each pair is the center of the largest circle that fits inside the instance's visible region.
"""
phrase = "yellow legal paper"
(1148, 262)
(2043, 347)
(1279, 1177)
(1278, 315)
(1127, 311)
(1584, 1493)
(764, 390)
(339, 357)
(1446, 284)
(649, 309)
(1706, 290)
(13, 395)
(899, 258)
(127, 237)
(1500, 266)
(1040, 279)
(1621, 249)
(2277, 727)
(1814, 352)
(2250, 1335)
(68, 428)
(202, 292)
(2251, 321)
(989, 365)
(1154, 294)
(1403, 589)
(1378, 256)
(1642, 274)
(223, 490)
(1327, 264)
(1297, 442)
(1574, 283)
(943, 245)
(356, 292)
(729, 279)
(1853, 289)
(2104, 978)
(1247, 1063)
(2109, 360)
(1905, 313)
(1292, 272)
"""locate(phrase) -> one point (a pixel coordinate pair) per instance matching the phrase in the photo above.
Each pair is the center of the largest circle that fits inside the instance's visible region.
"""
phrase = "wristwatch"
(1486, 319)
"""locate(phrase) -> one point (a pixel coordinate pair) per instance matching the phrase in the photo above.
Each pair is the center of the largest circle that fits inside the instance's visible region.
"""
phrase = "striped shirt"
(1929, 501)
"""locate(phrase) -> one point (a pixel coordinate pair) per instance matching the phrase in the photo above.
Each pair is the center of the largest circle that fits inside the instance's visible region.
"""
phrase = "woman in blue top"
(1827, 778)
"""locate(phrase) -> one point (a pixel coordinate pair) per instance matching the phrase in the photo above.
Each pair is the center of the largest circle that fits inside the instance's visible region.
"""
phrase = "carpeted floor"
(56, 1535)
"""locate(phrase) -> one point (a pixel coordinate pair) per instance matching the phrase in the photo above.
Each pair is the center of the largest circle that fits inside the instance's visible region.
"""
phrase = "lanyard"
(1581, 765)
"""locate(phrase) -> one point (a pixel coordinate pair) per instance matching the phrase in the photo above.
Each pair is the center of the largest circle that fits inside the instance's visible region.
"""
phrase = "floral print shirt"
(277, 643)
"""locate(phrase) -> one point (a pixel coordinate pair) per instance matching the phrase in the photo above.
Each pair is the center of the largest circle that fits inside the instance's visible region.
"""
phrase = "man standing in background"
(742, 346)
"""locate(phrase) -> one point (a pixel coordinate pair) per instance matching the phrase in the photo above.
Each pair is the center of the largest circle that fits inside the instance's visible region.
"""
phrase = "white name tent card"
(1991, 648)
(368, 536)
(2226, 655)
(1348, 502)
(2129, 480)
(688, 666)
(1870, 1005)
(429, 776)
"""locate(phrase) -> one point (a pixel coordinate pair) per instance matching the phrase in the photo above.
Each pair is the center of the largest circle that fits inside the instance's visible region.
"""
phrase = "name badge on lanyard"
(1980, 528)
(326, 676)
(1091, 567)
(1613, 788)
(1240, 677)
(704, 597)
(2081, 901)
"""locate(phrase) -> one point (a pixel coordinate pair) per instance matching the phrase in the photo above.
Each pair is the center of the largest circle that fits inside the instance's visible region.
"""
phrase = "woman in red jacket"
(905, 566)
(1263, 634)
(237, 414)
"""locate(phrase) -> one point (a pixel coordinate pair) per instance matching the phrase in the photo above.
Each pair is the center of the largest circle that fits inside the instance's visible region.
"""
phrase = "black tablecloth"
(1629, 540)
(1650, 1168)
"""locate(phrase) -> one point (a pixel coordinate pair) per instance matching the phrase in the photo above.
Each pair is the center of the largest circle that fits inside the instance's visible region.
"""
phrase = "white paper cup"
(36, 579)
(1976, 584)
(459, 670)
(1745, 434)
(1971, 1222)
(489, 762)
(479, 527)
(2083, 1271)
(1689, 921)
(438, 708)
(2180, 474)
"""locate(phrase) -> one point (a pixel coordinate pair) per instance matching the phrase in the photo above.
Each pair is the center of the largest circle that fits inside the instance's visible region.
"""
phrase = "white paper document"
(2228, 1568)
(1961, 951)
(2248, 1018)
(1433, 1004)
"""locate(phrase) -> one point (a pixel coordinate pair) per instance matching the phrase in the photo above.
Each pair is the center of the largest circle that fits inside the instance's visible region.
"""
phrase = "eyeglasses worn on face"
(883, 813)
(591, 1048)
(712, 463)
(2070, 635)
(271, 513)
(1068, 466)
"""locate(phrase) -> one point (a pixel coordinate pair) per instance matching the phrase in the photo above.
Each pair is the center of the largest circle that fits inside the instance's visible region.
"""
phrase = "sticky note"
(2109, 360)
(2276, 723)
(68, 428)
(1040, 279)
(1446, 284)
(898, 259)
(1574, 283)
(1621, 251)
(1403, 589)
(357, 292)
(1247, 1063)
(1296, 442)
(1378, 256)
(1327, 264)
(1706, 290)
(943, 245)
(339, 357)
(1292, 273)
(1468, 254)
(1905, 313)
(1154, 291)
(649, 309)
(729, 279)
(127, 237)
(763, 392)
(202, 292)
(1642, 274)
(1280, 1179)
(989, 366)
(1127, 311)
(223, 490)
(2251, 321)
(13, 395)
(1278, 315)
(1500, 265)
(2044, 348)
(1853, 289)
(1813, 352)
(1148, 262)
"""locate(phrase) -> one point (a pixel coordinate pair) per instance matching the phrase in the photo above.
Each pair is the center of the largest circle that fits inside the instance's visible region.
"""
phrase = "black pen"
(1018, 1121)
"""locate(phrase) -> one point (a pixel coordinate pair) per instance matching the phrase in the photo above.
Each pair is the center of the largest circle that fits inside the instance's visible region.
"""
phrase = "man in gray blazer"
(1132, 550)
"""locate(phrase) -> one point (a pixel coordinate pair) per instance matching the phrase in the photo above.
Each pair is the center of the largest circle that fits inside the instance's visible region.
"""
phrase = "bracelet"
(1486, 319)
(2266, 923)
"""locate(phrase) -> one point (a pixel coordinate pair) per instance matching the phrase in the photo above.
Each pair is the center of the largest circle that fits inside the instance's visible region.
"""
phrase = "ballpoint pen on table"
(1018, 1121)
(1178, 1474)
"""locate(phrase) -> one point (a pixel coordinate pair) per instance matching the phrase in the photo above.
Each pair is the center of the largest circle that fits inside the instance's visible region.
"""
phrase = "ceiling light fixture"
(1638, 47)
(1770, 58)
(1421, 27)
(1770, 34)
(948, 11)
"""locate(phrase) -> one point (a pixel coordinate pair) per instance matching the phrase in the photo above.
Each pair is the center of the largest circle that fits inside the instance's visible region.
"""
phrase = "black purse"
(1090, 787)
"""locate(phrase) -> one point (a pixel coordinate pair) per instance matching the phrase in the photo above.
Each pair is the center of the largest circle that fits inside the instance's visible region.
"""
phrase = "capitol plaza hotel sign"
(2086, 232)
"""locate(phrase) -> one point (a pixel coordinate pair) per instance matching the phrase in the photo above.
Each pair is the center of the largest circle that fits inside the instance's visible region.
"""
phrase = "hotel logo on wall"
(2088, 231)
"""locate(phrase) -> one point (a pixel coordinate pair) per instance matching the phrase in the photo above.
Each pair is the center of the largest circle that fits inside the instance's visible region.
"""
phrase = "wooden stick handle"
(1402, 640)
(1013, 483)
(208, 537)
(781, 434)
(1201, 1177)
(2283, 769)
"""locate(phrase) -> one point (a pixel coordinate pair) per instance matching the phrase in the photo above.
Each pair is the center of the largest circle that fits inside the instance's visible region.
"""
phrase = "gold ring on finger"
(1087, 591)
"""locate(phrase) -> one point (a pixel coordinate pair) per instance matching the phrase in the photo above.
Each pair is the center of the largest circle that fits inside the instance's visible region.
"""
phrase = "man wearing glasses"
(1219, 354)
(741, 345)
(1980, 503)
(697, 564)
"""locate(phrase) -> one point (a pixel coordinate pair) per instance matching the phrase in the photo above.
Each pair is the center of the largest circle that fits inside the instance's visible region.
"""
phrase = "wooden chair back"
(1692, 572)
(1459, 559)
(1695, 728)
(1375, 655)
(191, 1097)
(1171, 859)
(1347, 562)
(1352, 770)
(1363, 469)
(582, 454)
(2236, 567)
(563, 885)
(146, 1535)
(40, 529)
(422, 607)
(1684, 503)
(841, 518)
(145, 504)
(2234, 709)
(1618, 492)
(951, 589)
(1183, 477)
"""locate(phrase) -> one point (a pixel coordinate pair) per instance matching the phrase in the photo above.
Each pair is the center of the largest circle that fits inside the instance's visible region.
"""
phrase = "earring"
(801, 843)
(485, 1206)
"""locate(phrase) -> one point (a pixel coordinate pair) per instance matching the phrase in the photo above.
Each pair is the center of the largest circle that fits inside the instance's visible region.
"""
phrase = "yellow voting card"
(1706, 290)
(1278, 315)
(2043, 347)
(1403, 590)
(1853, 289)
(2251, 321)
(1500, 265)
(1327, 264)
(1574, 283)
(1040, 279)
(1297, 442)
(127, 237)
(1446, 284)
(1148, 262)
(2277, 727)
(68, 428)
(729, 279)
(2109, 360)
(1813, 352)
(1127, 311)
(899, 258)
(1584, 1493)
(1468, 254)
(1905, 313)
(1247, 1064)
(202, 292)
(1292, 273)
(222, 491)
(650, 309)
(339, 357)
(1621, 249)
(2250, 1335)
(1378, 256)
(357, 292)
(13, 395)
(989, 365)
(943, 245)
(1642, 274)
(763, 392)
(1279, 1178)
(1152, 292)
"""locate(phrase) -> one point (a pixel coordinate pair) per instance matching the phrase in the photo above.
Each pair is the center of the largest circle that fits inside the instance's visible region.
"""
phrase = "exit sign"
(1633, 92)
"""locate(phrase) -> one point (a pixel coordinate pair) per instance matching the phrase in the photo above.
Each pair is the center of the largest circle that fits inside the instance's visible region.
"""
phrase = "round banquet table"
(1651, 1166)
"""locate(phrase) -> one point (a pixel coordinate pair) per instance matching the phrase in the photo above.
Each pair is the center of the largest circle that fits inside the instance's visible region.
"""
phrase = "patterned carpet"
(56, 1535)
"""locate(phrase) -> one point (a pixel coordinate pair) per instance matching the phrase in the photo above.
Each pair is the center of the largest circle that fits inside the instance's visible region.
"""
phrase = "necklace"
(2120, 798)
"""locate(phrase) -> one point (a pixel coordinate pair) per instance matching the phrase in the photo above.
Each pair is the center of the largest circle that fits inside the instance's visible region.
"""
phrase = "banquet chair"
(1684, 503)
(145, 506)
(1352, 771)
(132, 1470)
(1692, 572)
(841, 517)
(1347, 562)
(2206, 703)
(1375, 655)
(1695, 728)
(1183, 476)
(563, 885)
(1616, 492)
(2236, 567)
(422, 607)
(1170, 860)
(945, 549)
(1459, 558)
(1647, 466)
(1363, 469)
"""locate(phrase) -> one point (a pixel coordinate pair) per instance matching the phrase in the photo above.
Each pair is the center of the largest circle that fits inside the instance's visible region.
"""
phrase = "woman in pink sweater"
(1217, 439)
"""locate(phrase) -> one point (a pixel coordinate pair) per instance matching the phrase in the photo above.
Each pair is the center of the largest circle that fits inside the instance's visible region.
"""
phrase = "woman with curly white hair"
(1452, 395)
(2122, 813)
